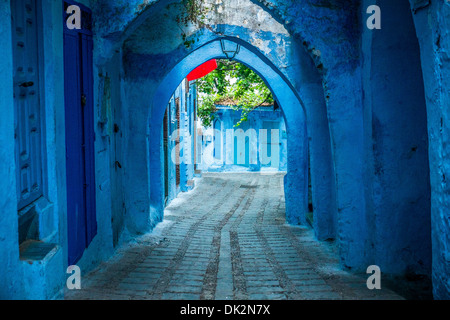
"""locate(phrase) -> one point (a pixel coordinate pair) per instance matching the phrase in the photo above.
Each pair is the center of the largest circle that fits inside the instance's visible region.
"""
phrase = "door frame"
(85, 80)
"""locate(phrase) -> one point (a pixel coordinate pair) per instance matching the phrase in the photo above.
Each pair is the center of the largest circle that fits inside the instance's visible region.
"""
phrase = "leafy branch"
(234, 84)
(194, 12)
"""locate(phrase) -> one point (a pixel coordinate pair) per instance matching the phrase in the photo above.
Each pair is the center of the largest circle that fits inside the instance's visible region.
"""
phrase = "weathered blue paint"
(29, 129)
(10, 280)
(432, 23)
(296, 178)
(359, 140)
(219, 156)
(349, 134)
(276, 52)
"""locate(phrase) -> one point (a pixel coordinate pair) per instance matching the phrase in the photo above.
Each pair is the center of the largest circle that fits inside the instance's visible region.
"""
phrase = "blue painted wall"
(10, 283)
(353, 218)
(432, 22)
(372, 128)
(397, 122)
(180, 142)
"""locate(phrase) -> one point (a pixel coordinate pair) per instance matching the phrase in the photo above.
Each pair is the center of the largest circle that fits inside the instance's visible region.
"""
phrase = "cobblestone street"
(227, 239)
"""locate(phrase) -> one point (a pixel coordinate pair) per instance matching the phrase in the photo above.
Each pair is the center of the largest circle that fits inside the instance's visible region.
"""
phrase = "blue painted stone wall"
(354, 89)
(45, 278)
(432, 24)
(218, 155)
(143, 52)
(10, 278)
(340, 68)
(397, 122)
(332, 32)
(185, 136)
(342, 91)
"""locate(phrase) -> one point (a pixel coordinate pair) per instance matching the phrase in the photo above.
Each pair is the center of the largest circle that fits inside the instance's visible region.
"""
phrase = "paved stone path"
(227, 239)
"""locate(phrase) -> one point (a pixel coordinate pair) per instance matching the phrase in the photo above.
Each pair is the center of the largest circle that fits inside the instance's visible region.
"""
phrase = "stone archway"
(151, 47)
(297, 176)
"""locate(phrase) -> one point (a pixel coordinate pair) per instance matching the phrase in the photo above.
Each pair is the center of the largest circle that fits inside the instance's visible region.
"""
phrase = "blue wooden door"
(79, 113)
(27, 107)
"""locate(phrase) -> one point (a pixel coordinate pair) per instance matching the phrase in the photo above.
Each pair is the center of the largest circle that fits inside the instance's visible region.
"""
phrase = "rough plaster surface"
(234, 249)
(330, 63)
(330, 32)
(432, 26)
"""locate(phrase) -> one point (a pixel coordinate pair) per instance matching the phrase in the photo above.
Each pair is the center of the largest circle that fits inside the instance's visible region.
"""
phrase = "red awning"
(202, 70)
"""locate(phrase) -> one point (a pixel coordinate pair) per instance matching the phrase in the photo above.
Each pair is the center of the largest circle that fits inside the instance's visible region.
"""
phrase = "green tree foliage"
(232, 83)
(194, 12)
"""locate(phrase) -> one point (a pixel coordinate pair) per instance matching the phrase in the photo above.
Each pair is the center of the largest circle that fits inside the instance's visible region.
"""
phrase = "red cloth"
(202, 70)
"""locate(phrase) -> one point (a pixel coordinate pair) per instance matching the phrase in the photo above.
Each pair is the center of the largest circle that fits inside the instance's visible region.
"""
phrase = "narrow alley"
(226, 239)
(225, 150)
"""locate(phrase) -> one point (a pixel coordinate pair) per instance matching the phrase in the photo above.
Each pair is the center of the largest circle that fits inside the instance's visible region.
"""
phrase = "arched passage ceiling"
(160, 34)
(328, 29)
(296, 182)
(225, 18)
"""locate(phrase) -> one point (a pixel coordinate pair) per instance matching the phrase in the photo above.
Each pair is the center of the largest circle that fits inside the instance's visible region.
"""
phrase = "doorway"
(80, 169)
